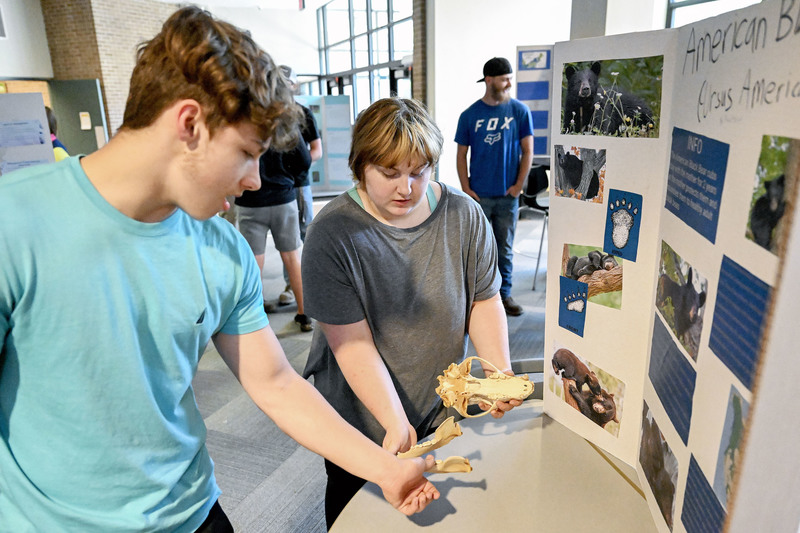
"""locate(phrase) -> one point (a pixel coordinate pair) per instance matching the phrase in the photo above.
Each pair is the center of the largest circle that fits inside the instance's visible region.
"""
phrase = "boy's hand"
(406, 488)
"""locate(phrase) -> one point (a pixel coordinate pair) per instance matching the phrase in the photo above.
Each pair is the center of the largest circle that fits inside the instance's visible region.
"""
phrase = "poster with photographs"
(700, 160)
(609, 151)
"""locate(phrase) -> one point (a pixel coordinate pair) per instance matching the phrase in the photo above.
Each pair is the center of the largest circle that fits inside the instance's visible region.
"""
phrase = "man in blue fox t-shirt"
(498, 132)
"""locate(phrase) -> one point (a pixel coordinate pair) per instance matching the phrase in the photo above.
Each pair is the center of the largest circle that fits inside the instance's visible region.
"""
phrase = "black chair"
(536, 183)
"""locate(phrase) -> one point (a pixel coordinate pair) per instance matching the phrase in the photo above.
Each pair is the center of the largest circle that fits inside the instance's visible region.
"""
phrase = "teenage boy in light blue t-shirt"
(115, 279)
(497, 132)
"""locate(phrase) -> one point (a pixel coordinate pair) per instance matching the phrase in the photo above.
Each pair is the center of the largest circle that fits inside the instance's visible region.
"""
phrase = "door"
(81, 114)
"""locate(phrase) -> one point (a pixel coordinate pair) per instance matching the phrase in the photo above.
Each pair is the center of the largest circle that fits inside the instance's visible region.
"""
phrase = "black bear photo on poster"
(579, 173)
(612, 97)
(590, 390)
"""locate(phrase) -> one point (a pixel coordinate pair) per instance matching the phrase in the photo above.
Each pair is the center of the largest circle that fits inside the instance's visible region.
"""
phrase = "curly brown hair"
(197, 57)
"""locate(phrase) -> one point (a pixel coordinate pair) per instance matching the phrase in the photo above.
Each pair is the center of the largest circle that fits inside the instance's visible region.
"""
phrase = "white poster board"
(534, 73)
(695, 203)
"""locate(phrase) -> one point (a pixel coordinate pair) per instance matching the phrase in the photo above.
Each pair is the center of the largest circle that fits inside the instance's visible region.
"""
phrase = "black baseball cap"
(496, 66)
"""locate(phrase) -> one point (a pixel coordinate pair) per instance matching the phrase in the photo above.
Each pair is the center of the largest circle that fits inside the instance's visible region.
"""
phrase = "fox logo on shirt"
(492, 123)
(492, 138)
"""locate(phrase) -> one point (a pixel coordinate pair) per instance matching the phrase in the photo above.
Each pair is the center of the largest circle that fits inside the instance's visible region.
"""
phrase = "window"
(361, 45)
(682, 12)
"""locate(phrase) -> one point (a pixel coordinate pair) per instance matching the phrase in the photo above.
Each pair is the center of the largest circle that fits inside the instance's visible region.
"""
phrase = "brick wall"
(419, 79)
(98, 39)
(120, 26)
(71, 39)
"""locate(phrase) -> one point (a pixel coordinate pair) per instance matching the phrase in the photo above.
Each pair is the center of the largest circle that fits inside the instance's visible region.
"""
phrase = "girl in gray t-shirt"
(398, 272)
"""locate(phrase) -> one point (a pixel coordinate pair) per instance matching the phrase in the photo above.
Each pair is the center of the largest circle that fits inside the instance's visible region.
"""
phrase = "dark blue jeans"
(502, 215)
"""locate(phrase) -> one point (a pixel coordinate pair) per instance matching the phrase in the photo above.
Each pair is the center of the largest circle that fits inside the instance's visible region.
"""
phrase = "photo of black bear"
(590, 107)
(687, 302)
(567, 365)
(572, 170)
(599, 408)
(587, 265)
(767, 212)
(659, 466)
(582, 88)
(578, 172)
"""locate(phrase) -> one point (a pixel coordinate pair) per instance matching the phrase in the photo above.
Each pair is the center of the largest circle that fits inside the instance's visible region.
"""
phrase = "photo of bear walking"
(616, 98)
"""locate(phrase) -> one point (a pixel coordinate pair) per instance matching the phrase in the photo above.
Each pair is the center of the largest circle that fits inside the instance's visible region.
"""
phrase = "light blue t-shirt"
(103, 320)
(493, 134)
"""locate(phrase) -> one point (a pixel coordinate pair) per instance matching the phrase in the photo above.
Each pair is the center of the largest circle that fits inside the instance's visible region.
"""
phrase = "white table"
(529, 473)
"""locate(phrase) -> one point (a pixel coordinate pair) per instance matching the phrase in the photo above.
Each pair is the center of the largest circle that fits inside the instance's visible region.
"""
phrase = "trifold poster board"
(534, 70)
(24, 133)
(670, 225)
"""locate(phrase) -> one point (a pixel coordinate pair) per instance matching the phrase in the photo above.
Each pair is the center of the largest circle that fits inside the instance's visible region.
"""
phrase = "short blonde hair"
(391, 131)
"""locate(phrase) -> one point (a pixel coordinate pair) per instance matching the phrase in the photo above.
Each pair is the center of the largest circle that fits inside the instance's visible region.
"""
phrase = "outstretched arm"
(488, 330)
(258, 362)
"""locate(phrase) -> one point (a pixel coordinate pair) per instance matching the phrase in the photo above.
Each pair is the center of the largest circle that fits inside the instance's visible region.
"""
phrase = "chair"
(536, 183)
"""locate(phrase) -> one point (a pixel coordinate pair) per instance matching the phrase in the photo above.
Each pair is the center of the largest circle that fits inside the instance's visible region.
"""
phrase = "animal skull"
(447, 431)
(458, 388)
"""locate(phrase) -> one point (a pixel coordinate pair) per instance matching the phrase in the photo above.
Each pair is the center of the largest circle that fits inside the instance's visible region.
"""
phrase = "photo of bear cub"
(659, 465)
(585, 266)
(579, 173)
(602, 273)
(567, 365)
(774, 187)
(767, 212)
(613, 97)
(583, 390)
(681, 299)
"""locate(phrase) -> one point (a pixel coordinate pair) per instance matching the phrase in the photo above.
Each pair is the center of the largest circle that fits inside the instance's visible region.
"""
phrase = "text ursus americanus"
(590, 107)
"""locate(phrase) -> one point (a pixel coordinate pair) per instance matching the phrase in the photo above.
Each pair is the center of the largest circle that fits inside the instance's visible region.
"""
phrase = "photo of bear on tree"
(579, 173)
(775, 182)
(681, 298)
(613, 97)
(601, 272)
(592, 391)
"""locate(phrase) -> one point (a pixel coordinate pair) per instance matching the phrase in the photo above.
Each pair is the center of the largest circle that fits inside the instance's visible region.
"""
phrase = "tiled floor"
(269, 483)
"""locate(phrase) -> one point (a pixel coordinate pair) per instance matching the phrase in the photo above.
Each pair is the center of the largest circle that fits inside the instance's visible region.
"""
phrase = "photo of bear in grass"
(619, 97)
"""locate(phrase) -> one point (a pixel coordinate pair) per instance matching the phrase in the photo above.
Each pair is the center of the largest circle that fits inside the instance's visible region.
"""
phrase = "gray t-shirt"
(414, 286)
